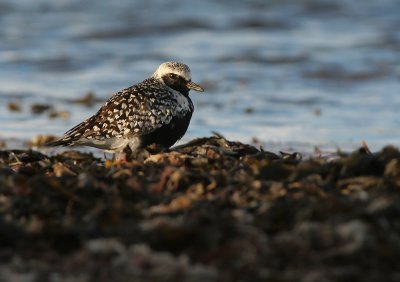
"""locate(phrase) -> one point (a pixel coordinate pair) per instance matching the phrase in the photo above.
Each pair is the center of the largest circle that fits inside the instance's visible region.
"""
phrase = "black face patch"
(176, 82)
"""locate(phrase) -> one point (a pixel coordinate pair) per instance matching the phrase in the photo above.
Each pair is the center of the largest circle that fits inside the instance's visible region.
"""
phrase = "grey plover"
(157, 110)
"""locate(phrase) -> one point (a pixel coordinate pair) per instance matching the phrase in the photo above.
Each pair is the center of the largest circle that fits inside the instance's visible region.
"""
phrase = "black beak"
(194, 86)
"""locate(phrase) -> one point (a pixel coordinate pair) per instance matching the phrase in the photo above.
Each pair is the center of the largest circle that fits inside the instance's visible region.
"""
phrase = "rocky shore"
(209, 210)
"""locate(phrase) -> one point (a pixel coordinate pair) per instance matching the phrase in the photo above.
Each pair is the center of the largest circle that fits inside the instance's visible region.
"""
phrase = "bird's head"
(177, 76)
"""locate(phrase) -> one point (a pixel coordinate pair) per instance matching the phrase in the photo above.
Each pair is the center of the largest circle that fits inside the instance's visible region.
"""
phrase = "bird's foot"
(155, 149)
(128, 156)
(139, 155)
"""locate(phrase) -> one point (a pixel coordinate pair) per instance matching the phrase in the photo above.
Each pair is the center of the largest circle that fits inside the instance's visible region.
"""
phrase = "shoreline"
(311, 149)
(207, 210)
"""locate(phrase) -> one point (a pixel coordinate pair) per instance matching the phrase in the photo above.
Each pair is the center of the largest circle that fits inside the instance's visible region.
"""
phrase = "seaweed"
(208, 210)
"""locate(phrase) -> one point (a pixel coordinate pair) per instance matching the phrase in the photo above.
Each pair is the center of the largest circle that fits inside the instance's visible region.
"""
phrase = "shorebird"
(157, 110)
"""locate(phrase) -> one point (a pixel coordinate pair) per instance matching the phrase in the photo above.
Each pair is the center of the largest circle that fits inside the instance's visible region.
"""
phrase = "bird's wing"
(130, 112)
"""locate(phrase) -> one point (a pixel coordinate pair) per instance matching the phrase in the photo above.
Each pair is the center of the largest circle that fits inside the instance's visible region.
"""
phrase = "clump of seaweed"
(208, 210)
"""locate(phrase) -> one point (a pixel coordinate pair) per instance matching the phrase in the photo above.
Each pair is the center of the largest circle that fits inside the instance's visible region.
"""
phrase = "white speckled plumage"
(156, 110)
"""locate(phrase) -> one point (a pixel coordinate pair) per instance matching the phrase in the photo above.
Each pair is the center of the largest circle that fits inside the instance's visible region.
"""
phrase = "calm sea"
(300, 73)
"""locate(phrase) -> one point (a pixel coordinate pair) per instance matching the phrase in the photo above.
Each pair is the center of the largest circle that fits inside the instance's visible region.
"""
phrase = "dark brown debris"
(40, 108)
(208, 210)
(41, 140)
(59, 114)
(89, 99)
(14, 106)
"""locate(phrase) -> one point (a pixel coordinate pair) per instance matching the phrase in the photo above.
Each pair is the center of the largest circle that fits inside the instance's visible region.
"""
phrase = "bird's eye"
(171, 75)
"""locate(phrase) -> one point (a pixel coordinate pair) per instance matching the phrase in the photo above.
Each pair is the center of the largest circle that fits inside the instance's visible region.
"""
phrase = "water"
(311, 72)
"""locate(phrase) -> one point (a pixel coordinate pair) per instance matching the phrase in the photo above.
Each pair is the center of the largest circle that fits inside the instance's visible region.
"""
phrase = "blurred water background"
(300, 73)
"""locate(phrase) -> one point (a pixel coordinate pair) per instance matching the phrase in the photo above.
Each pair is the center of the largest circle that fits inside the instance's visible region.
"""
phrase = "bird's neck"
(184, 92)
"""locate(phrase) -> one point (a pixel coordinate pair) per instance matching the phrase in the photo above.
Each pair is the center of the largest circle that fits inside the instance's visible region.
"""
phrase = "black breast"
(168, 134)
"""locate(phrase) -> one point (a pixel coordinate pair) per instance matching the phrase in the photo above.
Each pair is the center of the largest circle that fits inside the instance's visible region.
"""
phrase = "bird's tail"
(71, 136)
(60, 142)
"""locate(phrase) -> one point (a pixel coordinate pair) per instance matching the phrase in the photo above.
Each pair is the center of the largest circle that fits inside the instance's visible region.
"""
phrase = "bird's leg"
(110, 161)
(155, 148)
(139, 154)
(125, 155)
(112, 158)
(105, 156)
